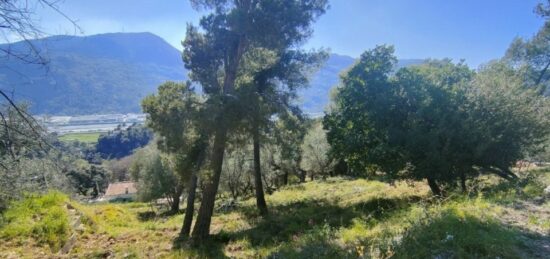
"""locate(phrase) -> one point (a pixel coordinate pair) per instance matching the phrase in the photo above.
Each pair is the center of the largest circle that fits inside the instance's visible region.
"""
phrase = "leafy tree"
(21, 140)
(270, 89)
(437, 121)
(174, 113)
(214, 55)
(88, 180)
(315, 149)
(512, 119)
(238, 167)
(532, 56)
(155, 177)
(364, 88)
(119, 168)
(289, 133)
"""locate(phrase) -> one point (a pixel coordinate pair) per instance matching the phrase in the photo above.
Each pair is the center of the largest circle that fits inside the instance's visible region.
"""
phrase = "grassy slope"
(82, 137)
(328, 219)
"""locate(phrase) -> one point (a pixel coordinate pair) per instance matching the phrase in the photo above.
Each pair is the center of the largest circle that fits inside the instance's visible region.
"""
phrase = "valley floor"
(336, 218)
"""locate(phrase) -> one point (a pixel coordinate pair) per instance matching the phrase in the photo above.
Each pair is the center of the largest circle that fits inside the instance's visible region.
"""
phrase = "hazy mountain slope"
(104, 73)
(111, 73)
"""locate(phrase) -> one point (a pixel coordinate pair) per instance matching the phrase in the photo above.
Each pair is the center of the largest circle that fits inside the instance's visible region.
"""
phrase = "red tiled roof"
(121, 188)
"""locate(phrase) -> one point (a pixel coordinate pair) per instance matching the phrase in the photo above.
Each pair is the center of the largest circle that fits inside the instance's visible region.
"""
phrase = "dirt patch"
(533, 217)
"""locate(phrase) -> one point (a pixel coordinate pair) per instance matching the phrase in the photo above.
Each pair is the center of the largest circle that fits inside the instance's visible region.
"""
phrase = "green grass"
(81, 137)
(40, 218)
(336, 218)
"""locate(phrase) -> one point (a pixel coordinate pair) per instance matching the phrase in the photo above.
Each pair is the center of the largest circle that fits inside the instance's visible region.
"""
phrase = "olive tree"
(438, 121)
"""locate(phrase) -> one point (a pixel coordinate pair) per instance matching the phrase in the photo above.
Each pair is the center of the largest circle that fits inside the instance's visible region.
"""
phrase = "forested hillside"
(107, 73)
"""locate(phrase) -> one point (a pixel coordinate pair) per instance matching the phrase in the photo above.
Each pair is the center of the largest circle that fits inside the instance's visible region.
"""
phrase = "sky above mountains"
(474, 30)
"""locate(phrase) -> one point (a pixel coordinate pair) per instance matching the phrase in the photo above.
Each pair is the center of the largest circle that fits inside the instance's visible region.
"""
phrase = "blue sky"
(474, 30)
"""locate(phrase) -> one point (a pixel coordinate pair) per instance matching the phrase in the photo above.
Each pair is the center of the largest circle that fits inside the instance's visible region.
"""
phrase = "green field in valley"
(82, 137)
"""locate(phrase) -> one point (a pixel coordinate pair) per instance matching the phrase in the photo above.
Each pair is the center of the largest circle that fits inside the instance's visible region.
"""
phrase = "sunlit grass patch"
(41, 217)
(460, 229)
(530, 185)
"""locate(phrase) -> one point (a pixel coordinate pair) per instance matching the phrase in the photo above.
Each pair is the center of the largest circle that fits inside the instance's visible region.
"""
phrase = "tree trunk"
(302, 175)
(260, 200)
(190, 208)
(434, 187)
(285, 178)
(201, 230)
(175, 206)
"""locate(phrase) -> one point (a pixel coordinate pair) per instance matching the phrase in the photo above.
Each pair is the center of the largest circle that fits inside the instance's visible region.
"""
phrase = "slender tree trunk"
(434, 187)
(260, 199)
(190, 208)
(302, 175)
(285, 178)
(199, 153)
(175, 206)
(201, 230)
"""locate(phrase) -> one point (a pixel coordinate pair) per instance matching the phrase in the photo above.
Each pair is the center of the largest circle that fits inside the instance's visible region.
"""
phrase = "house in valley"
(121, 191)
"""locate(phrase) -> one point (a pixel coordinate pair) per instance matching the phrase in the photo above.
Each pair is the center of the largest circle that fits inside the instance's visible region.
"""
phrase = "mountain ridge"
(112, 72)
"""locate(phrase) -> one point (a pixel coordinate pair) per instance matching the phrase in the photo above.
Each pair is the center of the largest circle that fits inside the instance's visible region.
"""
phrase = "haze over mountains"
(111, 73)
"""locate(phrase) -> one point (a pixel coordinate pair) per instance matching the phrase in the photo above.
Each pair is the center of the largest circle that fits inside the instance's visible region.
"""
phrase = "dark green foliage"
(175, 113)
(289, 133)
(121, 142)
(89, 180)
(364, 88)
(438, 121)
(215, 54)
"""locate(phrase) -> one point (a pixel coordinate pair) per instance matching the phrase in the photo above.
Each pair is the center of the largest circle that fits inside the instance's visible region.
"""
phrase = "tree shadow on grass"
(450, 234)
(150, 215)
(212, 248)
(465, 236)
(287, 223)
